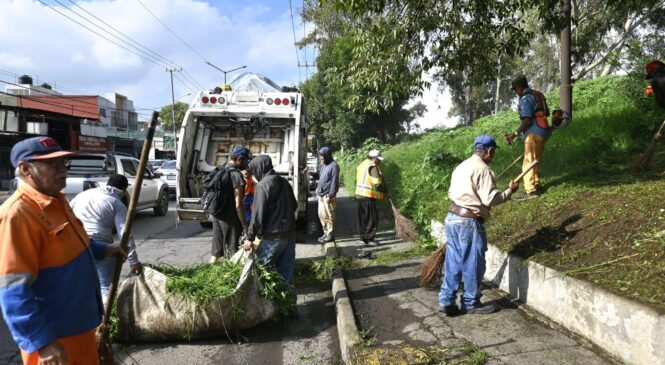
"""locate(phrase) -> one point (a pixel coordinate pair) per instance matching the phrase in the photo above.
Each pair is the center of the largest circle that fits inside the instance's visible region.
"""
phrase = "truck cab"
(253, 112)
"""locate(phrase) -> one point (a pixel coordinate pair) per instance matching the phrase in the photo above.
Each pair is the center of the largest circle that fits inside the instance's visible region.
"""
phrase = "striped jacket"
(48, 283)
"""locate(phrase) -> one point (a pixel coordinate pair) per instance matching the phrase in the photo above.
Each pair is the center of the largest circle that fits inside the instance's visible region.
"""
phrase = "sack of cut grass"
(167, 303)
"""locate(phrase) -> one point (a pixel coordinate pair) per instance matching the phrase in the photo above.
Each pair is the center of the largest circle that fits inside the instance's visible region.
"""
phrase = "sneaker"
(483, 309)
(450, 310)
(527, 196)
(372, 243)
(326, 239)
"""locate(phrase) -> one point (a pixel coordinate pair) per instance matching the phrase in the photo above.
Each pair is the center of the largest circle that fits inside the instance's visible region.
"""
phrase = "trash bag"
(146, 312)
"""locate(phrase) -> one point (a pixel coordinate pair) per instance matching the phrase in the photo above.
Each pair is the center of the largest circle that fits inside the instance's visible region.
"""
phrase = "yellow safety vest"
(366, 183)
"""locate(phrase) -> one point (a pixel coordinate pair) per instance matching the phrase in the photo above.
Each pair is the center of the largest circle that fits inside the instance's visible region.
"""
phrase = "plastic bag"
(146, 312)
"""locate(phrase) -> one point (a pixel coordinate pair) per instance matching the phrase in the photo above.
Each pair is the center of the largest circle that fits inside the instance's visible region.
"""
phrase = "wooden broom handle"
(533, 164)
(660, 130)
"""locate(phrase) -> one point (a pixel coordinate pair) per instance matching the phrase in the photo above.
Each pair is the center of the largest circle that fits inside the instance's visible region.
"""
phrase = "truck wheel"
(162, 206)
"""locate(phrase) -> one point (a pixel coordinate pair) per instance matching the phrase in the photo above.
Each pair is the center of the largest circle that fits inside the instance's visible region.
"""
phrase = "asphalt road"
(310, 339)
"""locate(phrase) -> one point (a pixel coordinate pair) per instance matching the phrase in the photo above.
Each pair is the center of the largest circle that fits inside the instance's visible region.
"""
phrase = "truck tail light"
(285, 101)
(278, 101)
(213, 100)
(204, 100)
(269, 101)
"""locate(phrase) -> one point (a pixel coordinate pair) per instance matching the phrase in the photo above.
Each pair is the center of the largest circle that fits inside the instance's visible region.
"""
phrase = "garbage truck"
(252, 111)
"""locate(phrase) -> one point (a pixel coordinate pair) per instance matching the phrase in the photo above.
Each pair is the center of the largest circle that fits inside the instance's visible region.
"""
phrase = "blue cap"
(240, 151)
(37, 148)
(483, 142)
(326, 151)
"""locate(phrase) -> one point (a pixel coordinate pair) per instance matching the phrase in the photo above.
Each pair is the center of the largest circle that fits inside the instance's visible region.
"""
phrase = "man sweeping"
(472, 193)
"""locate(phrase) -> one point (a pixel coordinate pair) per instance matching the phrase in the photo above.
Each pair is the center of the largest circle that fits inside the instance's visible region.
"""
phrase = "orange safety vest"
(366, 183)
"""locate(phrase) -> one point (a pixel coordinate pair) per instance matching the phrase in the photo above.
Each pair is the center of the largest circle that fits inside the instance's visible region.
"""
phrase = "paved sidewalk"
(403, 321)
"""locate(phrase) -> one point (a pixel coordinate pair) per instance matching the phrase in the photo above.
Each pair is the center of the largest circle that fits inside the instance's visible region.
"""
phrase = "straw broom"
(643, 162)
(104, 347)
(432, 268)
(403, 225)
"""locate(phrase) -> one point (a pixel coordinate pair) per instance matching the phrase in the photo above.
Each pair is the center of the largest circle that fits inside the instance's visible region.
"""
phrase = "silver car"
(168, 174)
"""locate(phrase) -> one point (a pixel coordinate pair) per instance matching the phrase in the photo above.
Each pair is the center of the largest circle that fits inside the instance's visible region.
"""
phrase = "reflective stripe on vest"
(365, 183)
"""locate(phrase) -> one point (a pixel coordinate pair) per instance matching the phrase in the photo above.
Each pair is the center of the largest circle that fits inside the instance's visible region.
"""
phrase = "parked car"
(89, 171)
(155, 164)
(168, 174)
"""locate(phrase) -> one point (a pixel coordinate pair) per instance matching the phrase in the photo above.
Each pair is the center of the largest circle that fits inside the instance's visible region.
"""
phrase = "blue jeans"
(280, 254)
(465, 258)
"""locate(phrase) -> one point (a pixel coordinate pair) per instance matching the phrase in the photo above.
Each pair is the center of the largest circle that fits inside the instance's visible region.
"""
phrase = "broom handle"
(533, 164)
(660, 130)
(511, 165)
(126, 229)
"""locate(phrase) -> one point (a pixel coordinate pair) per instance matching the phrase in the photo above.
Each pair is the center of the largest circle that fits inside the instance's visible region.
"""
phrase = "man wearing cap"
(101, 210)
(49, 291)
(535, 137)
(472, 194)
(227, 229)
(370, 187)
(327, 193)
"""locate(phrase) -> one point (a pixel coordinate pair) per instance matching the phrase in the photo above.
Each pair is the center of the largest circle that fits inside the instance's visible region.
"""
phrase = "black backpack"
(217, 192)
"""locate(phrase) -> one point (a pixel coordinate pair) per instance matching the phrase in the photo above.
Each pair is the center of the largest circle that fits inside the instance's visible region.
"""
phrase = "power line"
(293, 28)
(171, 31)
(172, 64)
(68, 97)
(158, 63)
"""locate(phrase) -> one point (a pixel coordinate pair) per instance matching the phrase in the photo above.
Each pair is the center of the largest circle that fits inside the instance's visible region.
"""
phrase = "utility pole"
(175, 138)
(566, 87)
(225, 72)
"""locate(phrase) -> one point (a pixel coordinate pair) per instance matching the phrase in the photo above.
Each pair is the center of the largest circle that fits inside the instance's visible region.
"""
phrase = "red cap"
(652, 67)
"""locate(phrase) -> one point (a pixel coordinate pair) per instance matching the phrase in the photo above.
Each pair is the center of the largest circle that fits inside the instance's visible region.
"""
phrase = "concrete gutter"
(631, 331)
(346, 322)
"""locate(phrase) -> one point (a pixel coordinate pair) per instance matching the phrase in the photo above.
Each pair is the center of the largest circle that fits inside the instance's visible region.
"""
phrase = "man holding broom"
(49, 291)
(472, 193)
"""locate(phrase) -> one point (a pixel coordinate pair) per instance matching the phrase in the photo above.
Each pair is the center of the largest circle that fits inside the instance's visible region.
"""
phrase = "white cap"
(375, 153)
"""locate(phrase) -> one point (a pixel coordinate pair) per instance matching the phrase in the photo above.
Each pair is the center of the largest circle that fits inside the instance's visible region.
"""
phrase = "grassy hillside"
(597, 220)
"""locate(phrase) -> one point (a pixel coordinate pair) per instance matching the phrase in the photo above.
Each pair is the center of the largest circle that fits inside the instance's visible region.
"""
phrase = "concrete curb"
(346, 322)
(633, 332)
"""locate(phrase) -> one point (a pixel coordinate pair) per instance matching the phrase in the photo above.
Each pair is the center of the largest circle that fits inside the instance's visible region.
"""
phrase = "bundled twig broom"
(403, 225)
(432, 270)
(643, 162)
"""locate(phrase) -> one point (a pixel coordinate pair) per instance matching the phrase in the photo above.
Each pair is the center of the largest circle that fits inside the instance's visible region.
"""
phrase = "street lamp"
(225, 72)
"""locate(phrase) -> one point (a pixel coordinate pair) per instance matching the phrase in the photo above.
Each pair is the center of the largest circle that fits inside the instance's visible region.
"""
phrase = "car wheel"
(162, 206)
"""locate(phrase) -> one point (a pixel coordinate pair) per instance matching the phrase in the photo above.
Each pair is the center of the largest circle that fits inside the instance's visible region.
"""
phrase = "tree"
(166, 116)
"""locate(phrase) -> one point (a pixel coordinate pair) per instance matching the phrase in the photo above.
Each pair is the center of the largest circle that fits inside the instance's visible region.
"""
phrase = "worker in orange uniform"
(49, 291)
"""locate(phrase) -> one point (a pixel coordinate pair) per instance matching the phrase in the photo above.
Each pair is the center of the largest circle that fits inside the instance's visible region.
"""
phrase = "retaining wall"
(626, 329)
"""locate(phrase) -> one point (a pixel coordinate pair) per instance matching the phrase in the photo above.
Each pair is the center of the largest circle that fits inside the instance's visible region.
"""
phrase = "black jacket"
(273, 216)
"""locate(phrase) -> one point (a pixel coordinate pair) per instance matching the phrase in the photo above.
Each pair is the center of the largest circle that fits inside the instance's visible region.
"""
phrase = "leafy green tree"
(166, 116)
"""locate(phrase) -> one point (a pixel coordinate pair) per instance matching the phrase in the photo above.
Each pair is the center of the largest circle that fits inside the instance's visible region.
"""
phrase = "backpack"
(542, 110)
(217, 192)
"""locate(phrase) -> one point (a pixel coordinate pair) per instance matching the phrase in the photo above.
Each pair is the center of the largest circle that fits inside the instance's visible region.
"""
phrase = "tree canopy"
(166, 116)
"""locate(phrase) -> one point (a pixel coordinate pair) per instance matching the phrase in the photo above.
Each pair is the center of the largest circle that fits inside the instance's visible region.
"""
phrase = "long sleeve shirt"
(473, 187)
(101, 210)
(48, 284)
(328, 180)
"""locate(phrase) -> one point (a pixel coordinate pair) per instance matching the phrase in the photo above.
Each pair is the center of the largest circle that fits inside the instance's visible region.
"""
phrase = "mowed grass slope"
(597, 220)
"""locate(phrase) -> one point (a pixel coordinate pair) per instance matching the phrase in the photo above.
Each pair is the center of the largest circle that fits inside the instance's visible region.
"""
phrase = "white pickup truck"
(88, 171)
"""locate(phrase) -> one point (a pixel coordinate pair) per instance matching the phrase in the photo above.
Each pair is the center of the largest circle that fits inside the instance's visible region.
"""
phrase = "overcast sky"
(38, 41)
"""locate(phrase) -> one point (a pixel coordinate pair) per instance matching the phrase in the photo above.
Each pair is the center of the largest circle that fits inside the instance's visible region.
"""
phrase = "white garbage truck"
(251, 111)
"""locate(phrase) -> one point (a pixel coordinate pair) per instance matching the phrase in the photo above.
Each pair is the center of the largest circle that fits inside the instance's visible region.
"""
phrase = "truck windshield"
(250, 81)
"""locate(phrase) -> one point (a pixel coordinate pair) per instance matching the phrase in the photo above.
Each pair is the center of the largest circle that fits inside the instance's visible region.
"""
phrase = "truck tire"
(162, 206)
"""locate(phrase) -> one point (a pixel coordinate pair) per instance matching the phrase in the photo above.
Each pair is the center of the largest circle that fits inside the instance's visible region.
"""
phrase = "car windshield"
(168, 165)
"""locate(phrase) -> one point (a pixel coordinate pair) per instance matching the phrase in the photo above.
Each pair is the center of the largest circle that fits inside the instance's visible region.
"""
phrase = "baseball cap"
(325, 151)
(519, 81)
(652, 67)
(37, 148)
(485, 140)
(375, 153)
(240, 151)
